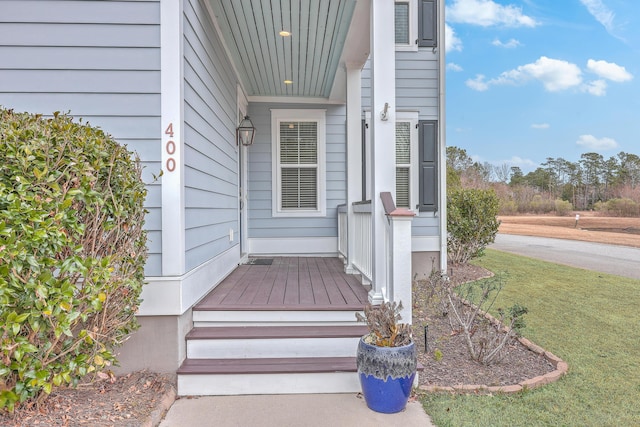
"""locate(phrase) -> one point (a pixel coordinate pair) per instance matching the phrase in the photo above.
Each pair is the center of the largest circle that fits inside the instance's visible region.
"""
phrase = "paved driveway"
(618, 260)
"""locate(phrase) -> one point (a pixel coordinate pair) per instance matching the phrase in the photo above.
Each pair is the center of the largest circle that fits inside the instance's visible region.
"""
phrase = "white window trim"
(278, 116)
(412, 118)
(412, 46)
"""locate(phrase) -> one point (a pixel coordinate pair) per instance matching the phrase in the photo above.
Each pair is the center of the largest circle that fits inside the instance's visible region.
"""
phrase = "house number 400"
(170, 148)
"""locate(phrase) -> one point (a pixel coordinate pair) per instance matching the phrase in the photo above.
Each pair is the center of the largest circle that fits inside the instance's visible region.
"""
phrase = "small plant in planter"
(386, 358)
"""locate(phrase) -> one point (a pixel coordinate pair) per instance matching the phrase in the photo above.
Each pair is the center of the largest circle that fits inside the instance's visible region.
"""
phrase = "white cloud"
(596, 88)
(451, 66)
(592, 143)
(509, 45)
(451, 40)
(487, 13)
(609, 70)
(555, 74)
(600, 12)
(478, 83)
(540, 126)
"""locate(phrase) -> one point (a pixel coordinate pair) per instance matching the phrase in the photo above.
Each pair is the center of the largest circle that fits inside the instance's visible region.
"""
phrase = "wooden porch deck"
(288, 283)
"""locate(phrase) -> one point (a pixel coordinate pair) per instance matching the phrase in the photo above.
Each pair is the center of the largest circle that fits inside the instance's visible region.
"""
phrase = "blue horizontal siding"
(79, 58)
(79, 81)
(210, 154)
(99, 60)
(86, 12)
(80, 34)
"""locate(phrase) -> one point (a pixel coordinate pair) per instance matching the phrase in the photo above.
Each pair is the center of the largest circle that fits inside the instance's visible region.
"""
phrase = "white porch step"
(268, 376)
(244, 342)
(208, 318)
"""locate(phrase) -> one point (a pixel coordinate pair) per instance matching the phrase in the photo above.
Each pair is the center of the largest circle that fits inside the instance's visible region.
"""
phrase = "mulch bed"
(126, 401)
(455, 367)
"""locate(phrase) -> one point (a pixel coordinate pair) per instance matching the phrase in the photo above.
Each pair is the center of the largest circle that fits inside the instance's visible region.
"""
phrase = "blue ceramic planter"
(386, 375)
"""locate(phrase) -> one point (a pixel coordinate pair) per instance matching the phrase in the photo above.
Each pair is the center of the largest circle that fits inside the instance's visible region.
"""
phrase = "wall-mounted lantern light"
(245, 132)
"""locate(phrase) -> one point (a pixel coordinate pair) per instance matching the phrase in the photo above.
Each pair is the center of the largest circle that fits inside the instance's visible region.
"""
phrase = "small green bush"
(508, 207)
(72, 252)
(540, 205)
(563, 207)
(619, 207)
(471, 223)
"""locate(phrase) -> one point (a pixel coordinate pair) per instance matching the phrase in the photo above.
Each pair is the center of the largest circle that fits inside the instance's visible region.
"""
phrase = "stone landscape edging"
(156, 416)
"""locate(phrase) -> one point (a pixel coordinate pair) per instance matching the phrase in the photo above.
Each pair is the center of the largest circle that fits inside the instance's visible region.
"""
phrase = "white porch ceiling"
(309, 58)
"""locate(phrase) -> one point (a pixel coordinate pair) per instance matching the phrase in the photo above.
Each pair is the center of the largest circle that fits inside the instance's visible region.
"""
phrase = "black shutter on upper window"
(428, 165)
(427, 23)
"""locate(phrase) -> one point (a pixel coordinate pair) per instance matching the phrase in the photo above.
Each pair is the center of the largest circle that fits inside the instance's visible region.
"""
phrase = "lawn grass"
(592, 321)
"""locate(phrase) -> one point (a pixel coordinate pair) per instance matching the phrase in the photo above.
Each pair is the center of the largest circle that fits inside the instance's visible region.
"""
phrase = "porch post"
(400, 287)
(354, 155)
(171, 111)
(442, 203)
(383, 108)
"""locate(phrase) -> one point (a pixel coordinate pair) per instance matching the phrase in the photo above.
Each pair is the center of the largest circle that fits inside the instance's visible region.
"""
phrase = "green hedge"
(471, 223)
(72, 252)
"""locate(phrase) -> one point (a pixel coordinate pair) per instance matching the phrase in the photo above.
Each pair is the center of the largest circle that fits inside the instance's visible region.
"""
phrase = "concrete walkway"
(301, 410)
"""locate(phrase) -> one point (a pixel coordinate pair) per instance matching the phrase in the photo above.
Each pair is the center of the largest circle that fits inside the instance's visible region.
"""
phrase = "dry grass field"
(590, 228)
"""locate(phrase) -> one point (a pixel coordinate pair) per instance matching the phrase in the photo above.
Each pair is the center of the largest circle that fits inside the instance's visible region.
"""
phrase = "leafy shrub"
(541, 205)
(563, 207)
(508, 207)
(471, 223)
(72, 252)
(619, 207)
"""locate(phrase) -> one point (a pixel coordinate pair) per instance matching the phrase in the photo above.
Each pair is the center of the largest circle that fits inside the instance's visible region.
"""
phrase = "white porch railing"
(363, 254)
(360, 261)
(395, 283)
(343, 237)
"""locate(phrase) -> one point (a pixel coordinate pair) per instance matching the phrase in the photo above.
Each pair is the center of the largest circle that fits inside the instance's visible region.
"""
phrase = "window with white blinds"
(406, 159)
(298, 182)
(402, 22)
(403, 164)
(299, 164)
(406, 29)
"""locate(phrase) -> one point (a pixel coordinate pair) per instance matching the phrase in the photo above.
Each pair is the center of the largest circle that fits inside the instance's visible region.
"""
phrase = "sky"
(532, 79)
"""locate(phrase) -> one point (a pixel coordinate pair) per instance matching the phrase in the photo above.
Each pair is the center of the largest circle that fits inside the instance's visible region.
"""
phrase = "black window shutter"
(428, 165)
(427, 23)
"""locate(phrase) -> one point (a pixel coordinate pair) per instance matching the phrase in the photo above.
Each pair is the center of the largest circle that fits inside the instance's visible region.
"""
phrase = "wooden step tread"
(270, 366)
(269, 332)
(267, 366)
(204, 306)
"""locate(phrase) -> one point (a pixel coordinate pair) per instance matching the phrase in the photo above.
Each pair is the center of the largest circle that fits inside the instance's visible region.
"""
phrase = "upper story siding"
(417, 89)
(210, 152)
(416, 83)
(98, 60)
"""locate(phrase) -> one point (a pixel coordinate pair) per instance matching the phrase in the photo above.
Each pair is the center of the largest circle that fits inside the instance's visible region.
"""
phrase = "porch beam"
(383, 97)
